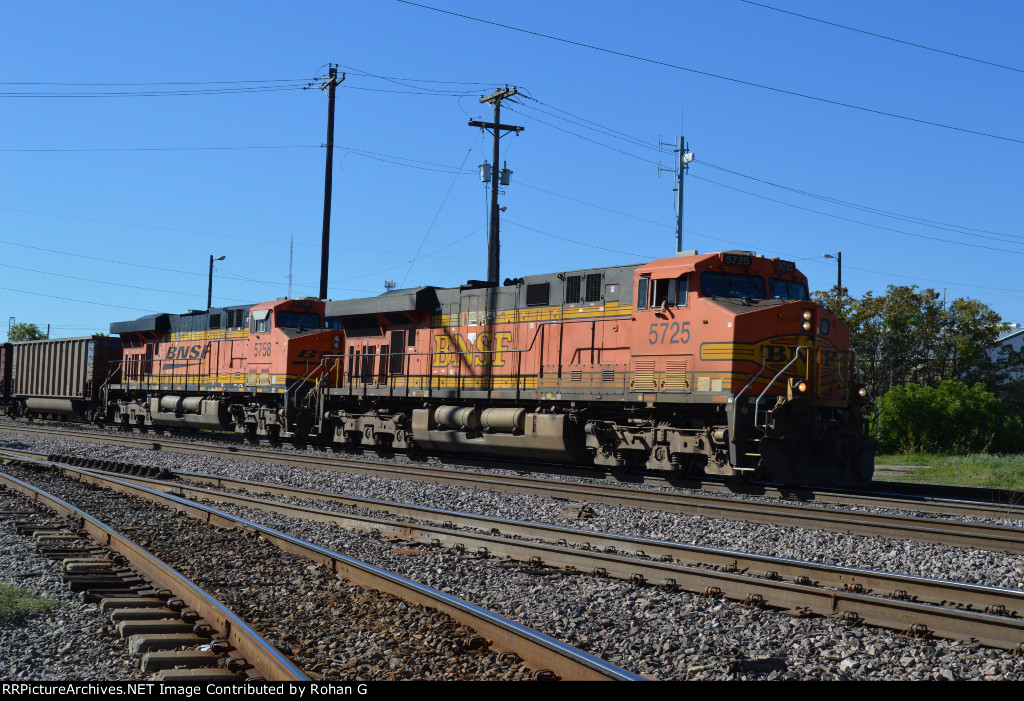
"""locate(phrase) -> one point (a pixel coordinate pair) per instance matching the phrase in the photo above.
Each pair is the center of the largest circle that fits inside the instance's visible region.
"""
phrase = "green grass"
(978, 470)
(15, 602)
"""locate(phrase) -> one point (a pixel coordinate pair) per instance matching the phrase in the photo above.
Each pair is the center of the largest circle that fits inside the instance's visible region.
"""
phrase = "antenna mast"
(291, 259)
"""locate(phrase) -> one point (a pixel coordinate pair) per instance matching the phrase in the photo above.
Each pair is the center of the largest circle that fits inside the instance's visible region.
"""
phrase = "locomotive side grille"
(643, 375)
(572, 289)
(607, 376)
(576, 376)
(593, 287)
(676, 376)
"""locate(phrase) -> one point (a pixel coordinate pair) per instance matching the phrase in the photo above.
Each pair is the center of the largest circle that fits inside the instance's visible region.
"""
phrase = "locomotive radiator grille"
(676, 376)
(643, 375)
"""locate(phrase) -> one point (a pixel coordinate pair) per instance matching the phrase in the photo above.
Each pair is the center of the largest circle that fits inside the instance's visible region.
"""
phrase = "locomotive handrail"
(431, 353)
(757, 401)
(104, 389)
(288, 390)
(764, 364)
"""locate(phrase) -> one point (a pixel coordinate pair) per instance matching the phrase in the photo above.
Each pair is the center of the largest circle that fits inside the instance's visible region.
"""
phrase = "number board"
(302, 303)
(733, 259)
(785, 266)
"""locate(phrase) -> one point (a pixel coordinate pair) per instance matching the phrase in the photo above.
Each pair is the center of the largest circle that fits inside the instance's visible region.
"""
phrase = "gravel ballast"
(670, 636)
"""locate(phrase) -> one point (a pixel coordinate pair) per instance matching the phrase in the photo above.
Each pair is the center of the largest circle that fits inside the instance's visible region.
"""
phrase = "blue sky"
(110, 206)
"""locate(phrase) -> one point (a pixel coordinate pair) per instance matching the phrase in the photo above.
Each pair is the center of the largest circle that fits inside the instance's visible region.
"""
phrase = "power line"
(873, 226)
(141, 226)
(955, 228)
(882, 36)
(677, 67)
(154, 148)
(444, 200)
(154, 93)
(206, 82)
(82, 301)
(103, 260)
(147, 288)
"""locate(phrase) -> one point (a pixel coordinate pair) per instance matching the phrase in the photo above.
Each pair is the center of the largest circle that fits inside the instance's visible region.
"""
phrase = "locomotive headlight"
(801, 387)
(806, 326)
(862, 392)
(797, 387)
(807, 314)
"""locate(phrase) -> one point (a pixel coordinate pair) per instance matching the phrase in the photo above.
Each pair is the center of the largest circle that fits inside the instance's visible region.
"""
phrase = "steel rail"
(929, 530)
(803, 596)
(536, 649)
(266, 660)
(932, 499)
(929, 590)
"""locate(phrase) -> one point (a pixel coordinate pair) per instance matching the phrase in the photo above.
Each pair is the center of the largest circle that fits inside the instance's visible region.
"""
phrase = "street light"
(209, 289)
(839, 260)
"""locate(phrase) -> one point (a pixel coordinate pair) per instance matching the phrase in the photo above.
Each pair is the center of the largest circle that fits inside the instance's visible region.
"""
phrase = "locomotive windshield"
(788, 289)
(299, 320)
(732, 285)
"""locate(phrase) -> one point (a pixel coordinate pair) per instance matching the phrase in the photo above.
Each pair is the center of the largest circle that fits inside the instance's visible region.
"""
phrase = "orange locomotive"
(247, 369)
(715, 362)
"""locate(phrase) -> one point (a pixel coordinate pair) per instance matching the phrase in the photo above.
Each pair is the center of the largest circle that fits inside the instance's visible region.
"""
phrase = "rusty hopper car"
(717, 363)
(61, 377)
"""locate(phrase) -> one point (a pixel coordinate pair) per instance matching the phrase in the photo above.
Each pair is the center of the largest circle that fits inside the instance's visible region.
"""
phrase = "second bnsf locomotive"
(717, 363)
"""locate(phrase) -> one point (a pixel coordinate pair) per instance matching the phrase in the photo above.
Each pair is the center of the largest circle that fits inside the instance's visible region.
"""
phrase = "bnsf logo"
(194, 352)
(777, 356)
(474, 349)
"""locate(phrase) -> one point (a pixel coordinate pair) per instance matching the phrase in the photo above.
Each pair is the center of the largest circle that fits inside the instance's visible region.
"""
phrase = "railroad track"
(182, 633)
(981, 536)
(544, 654)
(580, 597)
(919, 605)
(936, 500)
(924, 606)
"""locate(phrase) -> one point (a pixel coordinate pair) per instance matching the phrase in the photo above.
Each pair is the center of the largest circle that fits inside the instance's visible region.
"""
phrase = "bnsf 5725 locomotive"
(716, 363)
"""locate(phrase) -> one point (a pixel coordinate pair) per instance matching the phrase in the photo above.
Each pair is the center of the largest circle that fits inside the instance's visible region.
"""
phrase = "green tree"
(909, 335)
(24, 332)
(951, 418)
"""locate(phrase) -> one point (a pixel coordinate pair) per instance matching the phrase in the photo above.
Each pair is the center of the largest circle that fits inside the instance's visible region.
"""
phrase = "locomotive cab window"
(671, 292)
(299, 320)
(788, 290)
(732, 285)
(641, 292)
(260, 321)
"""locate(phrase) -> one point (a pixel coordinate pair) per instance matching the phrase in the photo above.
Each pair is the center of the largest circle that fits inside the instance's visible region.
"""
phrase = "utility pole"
(495, 98)
(839, 261)
(209, 288)
(683, 159)
(330, 85)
